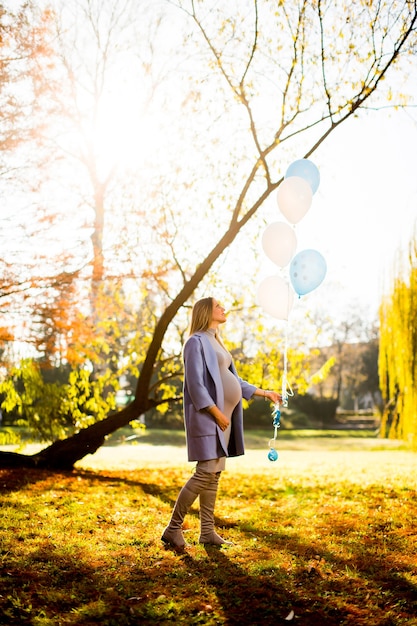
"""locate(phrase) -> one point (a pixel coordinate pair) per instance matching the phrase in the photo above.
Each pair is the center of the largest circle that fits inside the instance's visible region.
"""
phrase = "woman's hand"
(273, 396)
(221, 420)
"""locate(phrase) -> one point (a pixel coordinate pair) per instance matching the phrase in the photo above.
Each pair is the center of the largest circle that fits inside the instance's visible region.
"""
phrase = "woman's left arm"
(273, 396)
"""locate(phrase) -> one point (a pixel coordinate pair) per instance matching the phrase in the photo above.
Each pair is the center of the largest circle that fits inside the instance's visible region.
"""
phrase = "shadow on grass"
(363, 567)
(60, 588)
(63, 582)
(244, 599)
(15, 479)
(214, 586)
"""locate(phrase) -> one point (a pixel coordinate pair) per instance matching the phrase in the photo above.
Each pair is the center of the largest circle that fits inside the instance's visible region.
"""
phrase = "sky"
(364, 210)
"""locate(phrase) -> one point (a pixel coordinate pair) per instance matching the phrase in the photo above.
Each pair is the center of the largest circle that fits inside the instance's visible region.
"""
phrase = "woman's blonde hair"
(201, 315)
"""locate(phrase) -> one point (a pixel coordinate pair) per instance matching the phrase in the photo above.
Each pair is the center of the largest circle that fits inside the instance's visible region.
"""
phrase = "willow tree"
(240, 90)
(398, 352)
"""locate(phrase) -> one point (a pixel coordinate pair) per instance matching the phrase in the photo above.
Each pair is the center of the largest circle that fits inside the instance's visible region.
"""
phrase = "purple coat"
(202, 388)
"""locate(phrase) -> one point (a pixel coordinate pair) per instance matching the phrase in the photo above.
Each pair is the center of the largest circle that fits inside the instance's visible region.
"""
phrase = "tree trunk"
(63, 454)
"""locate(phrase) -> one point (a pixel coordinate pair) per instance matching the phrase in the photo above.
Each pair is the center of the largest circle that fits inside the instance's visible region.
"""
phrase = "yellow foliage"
(323, 372)
(398, 353)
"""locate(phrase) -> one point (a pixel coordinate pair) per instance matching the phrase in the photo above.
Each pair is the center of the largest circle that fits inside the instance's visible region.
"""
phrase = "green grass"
(326, 534)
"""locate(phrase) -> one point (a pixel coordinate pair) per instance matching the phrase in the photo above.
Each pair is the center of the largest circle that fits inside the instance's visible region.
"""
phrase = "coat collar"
(209, 355)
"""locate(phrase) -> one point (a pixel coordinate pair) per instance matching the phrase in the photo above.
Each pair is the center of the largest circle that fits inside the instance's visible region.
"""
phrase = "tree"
(346, 342)
(26, 56)
(369, 379)
(398, 352)
(277, 80)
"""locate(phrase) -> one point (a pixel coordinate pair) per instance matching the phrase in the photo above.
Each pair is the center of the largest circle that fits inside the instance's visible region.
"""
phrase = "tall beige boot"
(172, 534)
(207, 503)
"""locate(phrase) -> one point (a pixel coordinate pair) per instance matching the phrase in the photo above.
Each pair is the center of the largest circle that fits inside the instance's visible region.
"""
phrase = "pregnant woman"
(213, 419)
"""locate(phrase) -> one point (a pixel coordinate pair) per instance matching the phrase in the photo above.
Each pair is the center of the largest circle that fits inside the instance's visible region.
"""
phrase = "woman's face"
(218, 314)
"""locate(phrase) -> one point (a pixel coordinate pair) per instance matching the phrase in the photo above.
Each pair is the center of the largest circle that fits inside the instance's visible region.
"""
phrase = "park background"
(143, 146)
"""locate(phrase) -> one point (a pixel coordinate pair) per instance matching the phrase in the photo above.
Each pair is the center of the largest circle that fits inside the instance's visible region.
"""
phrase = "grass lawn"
(324, 536)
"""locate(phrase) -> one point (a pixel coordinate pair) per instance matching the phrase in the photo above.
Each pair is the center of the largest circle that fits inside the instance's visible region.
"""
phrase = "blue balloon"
(307, 271)
(307, 170)
(272, 454)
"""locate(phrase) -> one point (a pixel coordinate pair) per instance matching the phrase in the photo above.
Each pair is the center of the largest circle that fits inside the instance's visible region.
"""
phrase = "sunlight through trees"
(161, 129)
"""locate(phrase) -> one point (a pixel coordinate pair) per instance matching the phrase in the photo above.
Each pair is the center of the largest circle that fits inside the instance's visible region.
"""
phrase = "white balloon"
(279, 243)
(294, 198)
(276, 297)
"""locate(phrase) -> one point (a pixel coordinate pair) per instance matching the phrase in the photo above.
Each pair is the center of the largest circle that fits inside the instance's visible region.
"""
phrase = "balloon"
(276, 297)
(307, 270)
(279, 243)
(307, 170)
(273, 455)
(294, 198)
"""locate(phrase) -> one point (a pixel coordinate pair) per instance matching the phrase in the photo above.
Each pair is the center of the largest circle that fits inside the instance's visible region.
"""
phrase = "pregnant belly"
(231, 389)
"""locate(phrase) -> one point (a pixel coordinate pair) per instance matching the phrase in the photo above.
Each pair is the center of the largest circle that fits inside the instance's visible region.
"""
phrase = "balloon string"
(285, 385)
(284, 378)
(276, 421)
(286, 388)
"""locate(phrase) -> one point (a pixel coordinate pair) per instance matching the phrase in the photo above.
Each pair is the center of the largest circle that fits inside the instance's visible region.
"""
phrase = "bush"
(322, 410)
